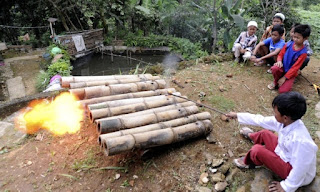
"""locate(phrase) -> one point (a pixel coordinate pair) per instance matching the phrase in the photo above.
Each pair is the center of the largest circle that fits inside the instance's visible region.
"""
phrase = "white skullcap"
(280, 15)
(252, 23)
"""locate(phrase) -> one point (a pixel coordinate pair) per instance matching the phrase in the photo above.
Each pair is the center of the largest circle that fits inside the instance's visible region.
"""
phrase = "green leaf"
(144, 10)
(228, 4)
(238, 20)
(224, 11)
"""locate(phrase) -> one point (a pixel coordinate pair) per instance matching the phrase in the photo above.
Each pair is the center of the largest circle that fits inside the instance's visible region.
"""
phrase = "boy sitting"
(305, 43)
(277, 19)
(290, 60)
(291, 154)
(246, 42)
(275, 44)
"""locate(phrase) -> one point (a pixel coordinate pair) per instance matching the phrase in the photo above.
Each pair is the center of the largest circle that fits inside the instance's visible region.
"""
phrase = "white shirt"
(295, 146)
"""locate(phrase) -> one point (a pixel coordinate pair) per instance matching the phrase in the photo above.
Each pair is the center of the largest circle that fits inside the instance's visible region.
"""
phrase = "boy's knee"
(284, 89)
(237, 46)
(275, 69)
(256, 149)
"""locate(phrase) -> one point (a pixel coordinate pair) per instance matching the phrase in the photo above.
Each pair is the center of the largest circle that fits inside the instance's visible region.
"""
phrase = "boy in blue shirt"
(275, 44)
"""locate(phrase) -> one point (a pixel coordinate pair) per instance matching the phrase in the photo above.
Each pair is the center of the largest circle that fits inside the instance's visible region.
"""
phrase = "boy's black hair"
(278, 28)
(304, 30)
(291, 104)
(294, 25)
(278, 17)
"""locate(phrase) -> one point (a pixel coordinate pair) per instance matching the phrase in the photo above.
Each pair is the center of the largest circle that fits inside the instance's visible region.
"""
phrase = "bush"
(61, 67)
(43, 80)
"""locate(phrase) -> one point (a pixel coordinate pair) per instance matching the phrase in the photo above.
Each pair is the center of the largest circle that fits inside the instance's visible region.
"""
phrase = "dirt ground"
(76, 163)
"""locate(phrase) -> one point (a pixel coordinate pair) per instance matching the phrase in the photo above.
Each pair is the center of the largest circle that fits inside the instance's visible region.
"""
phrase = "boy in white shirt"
(291, 154)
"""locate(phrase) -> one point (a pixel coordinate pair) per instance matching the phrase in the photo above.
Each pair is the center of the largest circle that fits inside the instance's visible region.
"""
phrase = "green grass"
(221, 102)
(85, 164)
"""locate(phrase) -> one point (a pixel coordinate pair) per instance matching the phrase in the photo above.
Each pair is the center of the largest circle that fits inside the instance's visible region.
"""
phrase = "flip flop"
(271, 86)
(240, 164)
(244, 131)
(269, 71)
(259, 64)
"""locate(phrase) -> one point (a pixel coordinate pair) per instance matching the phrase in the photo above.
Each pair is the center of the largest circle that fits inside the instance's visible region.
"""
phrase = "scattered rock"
(187, 81)
(230, 153)
(261, 180)
(135, 176)
(221, 88)
(318, 110)
(203, 178)
(203, 189)
(29, 163)
(233, 172)
(224, 118)
(241, 189)
(217, 177)
(211, 138)
(203, 168)
(39, 137)
(131, 183)
(315, 71)
(216, 162)
(202, 94)
(308, 101)
(229, 75)
(213, 170)
(220, 186)
(117, 176)
(224, 168)
(208, 157)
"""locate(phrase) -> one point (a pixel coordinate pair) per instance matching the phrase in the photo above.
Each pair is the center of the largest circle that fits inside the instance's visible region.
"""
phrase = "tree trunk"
(74, 11)
(214, 27)
(72, 25)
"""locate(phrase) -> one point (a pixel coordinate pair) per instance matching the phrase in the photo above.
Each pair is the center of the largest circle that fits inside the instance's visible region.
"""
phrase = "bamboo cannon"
(126, 96)
(99, 91)
(149, 111)
(65, 81)
(107, 126)
(122, 102)
(108, 82)
(154, 138)
(147, 103)
(152, 127)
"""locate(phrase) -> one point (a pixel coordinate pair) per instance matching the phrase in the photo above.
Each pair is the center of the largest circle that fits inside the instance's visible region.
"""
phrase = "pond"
(97, 64)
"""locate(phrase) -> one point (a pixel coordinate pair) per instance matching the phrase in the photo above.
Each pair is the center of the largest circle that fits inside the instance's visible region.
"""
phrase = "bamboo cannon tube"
(107, 126)
(161, 125)
(65, 81)
(122, 102)
(154, 138)
(148, 103)
(99, 91)
(108, 82)
(126, 96)
(154, 110)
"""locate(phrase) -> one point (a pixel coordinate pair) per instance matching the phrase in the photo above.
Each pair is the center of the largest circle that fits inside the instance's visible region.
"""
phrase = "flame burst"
(60, 116)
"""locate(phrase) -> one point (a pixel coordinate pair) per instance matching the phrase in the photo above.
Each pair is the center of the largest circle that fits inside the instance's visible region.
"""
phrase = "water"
(96, 64)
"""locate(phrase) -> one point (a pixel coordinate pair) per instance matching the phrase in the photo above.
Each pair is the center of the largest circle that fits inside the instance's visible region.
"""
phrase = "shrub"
(42, 81)
(61, 67)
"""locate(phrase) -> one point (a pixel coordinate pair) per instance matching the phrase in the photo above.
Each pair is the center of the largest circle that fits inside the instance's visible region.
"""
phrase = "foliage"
(43, 79)
(61, 67)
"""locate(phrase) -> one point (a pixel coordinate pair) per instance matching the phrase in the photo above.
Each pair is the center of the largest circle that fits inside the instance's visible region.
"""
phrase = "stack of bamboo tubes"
(136, 111)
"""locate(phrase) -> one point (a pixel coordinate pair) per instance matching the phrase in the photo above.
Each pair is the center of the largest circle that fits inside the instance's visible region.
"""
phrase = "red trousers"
(277, 74)
(265, 155)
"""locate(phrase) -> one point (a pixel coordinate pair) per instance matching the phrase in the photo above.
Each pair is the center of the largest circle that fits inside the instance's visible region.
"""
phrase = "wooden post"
(111, 56)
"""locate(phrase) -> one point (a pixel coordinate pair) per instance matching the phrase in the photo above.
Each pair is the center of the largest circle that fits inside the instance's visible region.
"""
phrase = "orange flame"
(63, 115)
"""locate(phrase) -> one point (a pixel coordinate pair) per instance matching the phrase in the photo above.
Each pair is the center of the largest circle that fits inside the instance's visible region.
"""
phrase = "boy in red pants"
(291, 154)
(289, 60)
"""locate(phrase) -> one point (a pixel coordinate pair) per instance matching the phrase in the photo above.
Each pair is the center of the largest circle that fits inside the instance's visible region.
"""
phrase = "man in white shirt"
(291, 154)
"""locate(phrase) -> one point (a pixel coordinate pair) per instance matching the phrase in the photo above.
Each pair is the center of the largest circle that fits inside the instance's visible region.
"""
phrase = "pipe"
(126, 96)
(99, 91)
(108, 82)
(154, 138)
(161, 125)
(147, 103)
(122, 102)
(65, 81)
(107, 126)
(154, 110)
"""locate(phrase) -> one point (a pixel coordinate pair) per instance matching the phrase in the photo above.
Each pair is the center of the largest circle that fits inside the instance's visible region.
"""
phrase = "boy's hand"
(232, 115)
(275, 187)
(253, 58)
(281, 81)
(279, 64)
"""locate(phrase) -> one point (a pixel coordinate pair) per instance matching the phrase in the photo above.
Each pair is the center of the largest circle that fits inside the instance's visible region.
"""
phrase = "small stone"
(203, 178)
(229, 75)
(230, 153)
(233, 172)
(135, 176)
(315, 71)
(224, 118)
(213, 170)
(241, 189)
(211, 138)
(203, 168)
(217, 177)
(203, 189)
(198, 101)
(308, 101)
(202, 94)
(216, 162)
(117, 176)
(131, 183)
(220, 186)
(29, 163)
(39, 137)
(221, 88)
(224, 168)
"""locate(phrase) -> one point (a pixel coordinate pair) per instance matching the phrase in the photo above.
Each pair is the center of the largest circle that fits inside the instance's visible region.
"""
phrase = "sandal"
(259, 64)
(240, 164)
(244, 131)
(271, 86)
(269, 71)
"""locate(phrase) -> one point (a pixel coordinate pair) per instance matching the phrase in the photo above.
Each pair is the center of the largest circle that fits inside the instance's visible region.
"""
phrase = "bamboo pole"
(148, 103)
(149, 111)
(126, 96)
(99, 91)
(161, 125)
(122, 102)
(107, 126)
(108, 82)
(154, 138)
(65, 81)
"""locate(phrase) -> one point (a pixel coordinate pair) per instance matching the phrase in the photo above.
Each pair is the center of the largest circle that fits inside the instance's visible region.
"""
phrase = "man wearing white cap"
(246, 42)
